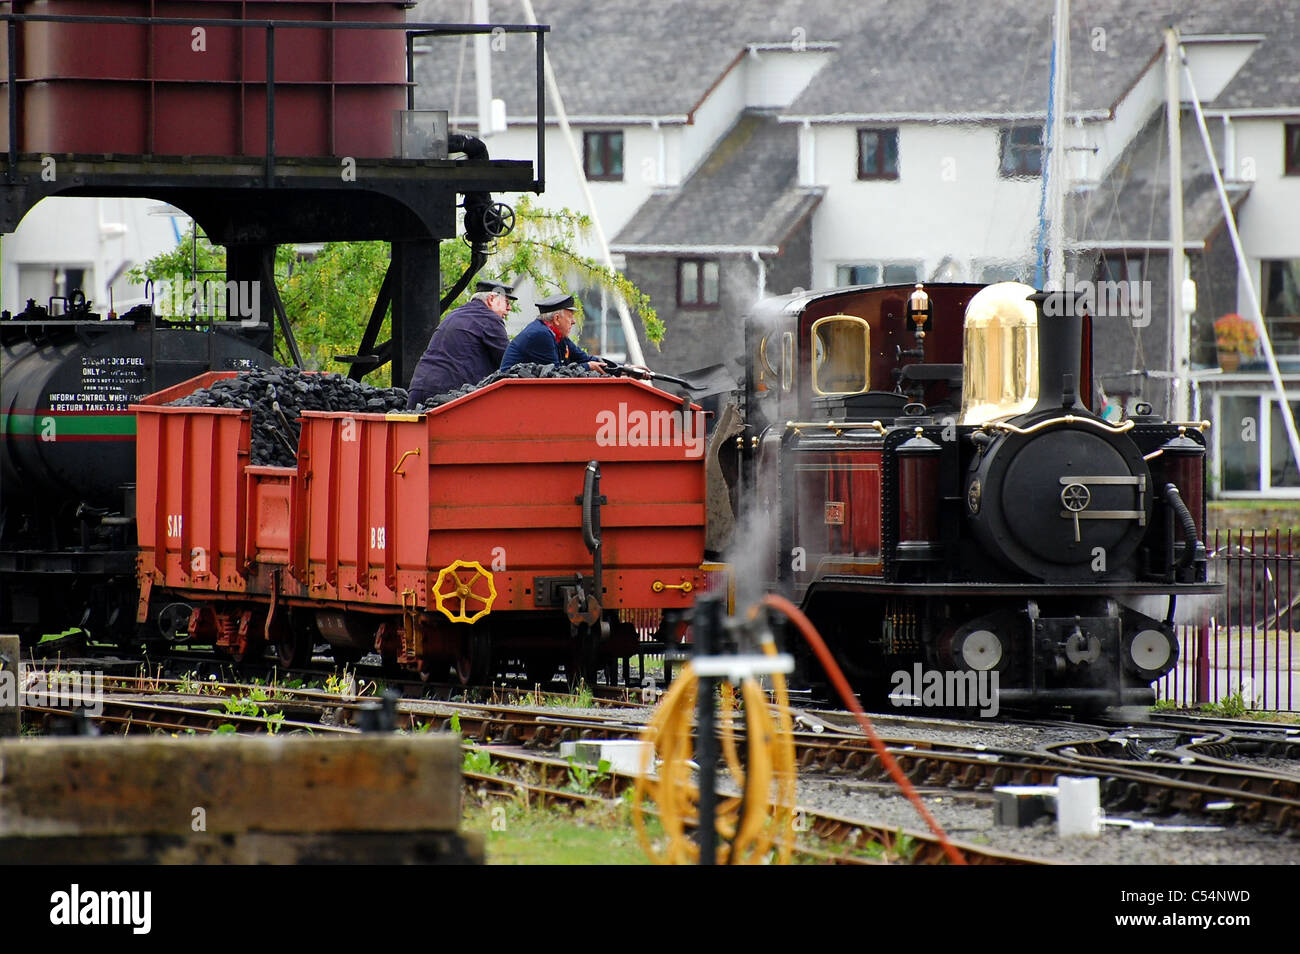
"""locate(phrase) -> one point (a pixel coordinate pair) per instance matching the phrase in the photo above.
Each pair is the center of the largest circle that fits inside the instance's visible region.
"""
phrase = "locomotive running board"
(853, 584)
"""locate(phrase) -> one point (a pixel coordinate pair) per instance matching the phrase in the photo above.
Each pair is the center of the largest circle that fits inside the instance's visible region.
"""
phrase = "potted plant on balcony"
(1236, 339)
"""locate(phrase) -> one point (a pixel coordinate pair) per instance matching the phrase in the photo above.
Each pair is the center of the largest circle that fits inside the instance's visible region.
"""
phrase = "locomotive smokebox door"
(1064, 495)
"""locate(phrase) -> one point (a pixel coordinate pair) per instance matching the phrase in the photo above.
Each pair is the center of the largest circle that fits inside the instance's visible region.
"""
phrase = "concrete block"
(624, 755)
(167, 786)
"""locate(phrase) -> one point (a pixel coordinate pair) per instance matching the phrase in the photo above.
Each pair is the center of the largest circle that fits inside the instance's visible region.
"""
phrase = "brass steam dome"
(1000, 357)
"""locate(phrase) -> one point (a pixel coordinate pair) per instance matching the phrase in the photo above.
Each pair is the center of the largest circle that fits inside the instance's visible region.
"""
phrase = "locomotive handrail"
(831, 425)
(1063, 419)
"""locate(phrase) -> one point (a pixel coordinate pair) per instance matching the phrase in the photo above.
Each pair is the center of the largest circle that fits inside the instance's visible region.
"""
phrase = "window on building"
(1292, 134)
(1282, 304)
(857, 274)
(602, 155)
(901, 274)
(601, 332)
(875, 273)
(1237, 424)
(877, 153)
(1254, 455)
(1021, 149)
(1121, 292)
(697, 282)
(1000, 271)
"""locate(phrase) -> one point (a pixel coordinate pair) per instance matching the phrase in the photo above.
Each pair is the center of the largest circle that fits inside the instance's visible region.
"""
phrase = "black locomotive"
(934, 483)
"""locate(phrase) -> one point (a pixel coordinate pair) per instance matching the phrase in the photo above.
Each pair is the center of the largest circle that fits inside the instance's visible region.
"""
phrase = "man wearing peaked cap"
(546, 340)
(467, 345)
(500, 288)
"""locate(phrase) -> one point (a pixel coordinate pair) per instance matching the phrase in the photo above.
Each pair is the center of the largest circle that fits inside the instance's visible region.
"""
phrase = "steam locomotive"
(927, 473)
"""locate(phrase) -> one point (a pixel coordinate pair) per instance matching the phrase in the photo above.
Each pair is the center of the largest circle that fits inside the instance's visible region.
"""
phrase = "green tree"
(329, 296)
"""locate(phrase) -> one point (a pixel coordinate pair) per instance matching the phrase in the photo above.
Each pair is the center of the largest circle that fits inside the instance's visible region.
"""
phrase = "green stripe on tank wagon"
(121, 424)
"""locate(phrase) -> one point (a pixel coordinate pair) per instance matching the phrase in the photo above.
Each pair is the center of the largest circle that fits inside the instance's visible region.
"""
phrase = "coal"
(278, 396)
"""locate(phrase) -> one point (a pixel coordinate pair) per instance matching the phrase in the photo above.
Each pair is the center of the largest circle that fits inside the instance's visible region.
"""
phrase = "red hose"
(841, 684)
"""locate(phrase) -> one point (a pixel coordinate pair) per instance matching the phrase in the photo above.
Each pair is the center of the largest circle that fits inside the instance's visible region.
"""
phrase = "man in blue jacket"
(466, 346)
(546, 340)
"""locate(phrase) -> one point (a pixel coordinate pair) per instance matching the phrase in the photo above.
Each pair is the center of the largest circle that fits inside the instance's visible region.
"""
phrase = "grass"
(1233, 706)
(518, 835)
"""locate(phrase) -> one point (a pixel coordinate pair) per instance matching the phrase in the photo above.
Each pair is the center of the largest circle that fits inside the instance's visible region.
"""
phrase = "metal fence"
(1242, 647)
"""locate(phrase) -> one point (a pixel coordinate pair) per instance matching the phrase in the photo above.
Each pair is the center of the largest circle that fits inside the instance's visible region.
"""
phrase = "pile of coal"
(518, 371)
(277, 398)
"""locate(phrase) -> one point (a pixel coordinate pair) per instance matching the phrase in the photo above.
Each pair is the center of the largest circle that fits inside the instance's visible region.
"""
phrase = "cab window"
(841, 355)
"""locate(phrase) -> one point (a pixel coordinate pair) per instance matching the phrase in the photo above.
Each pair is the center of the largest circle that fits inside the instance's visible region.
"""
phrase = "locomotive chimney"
(1060, 331)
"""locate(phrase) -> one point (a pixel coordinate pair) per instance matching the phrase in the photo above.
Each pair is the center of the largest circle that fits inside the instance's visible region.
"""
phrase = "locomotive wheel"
(474, 661)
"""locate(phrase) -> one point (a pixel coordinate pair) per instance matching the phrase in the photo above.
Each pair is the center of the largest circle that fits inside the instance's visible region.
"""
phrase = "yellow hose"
(749, 826)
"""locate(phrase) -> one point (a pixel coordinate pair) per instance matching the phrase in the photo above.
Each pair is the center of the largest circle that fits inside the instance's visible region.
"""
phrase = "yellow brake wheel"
(468, 586)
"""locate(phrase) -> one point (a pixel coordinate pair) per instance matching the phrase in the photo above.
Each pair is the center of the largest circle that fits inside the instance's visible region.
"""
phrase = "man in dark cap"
(546, 340)
(466, 346)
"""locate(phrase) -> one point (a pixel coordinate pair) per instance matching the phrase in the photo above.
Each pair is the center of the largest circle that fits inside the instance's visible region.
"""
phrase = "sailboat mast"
(1056, 168)
(1178, 330)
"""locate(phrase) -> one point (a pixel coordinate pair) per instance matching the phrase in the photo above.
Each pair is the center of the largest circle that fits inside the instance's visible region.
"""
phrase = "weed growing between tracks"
(518, 834)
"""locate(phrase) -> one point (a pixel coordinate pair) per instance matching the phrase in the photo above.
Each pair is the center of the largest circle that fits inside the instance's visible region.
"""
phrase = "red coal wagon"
(470, 535)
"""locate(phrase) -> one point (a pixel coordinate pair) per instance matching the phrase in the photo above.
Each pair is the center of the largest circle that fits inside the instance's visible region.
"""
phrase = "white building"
(89, 244)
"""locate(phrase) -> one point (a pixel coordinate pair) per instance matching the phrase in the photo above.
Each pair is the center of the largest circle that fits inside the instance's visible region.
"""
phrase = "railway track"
(1186, 770)
(215, 674)
(530, 775)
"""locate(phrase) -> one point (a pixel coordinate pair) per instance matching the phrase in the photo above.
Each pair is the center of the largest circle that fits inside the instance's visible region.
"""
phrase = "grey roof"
(933, 57)
(1270, 79)
(1131, 204)
(920, 58)
(745, 192)
(623, 57)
